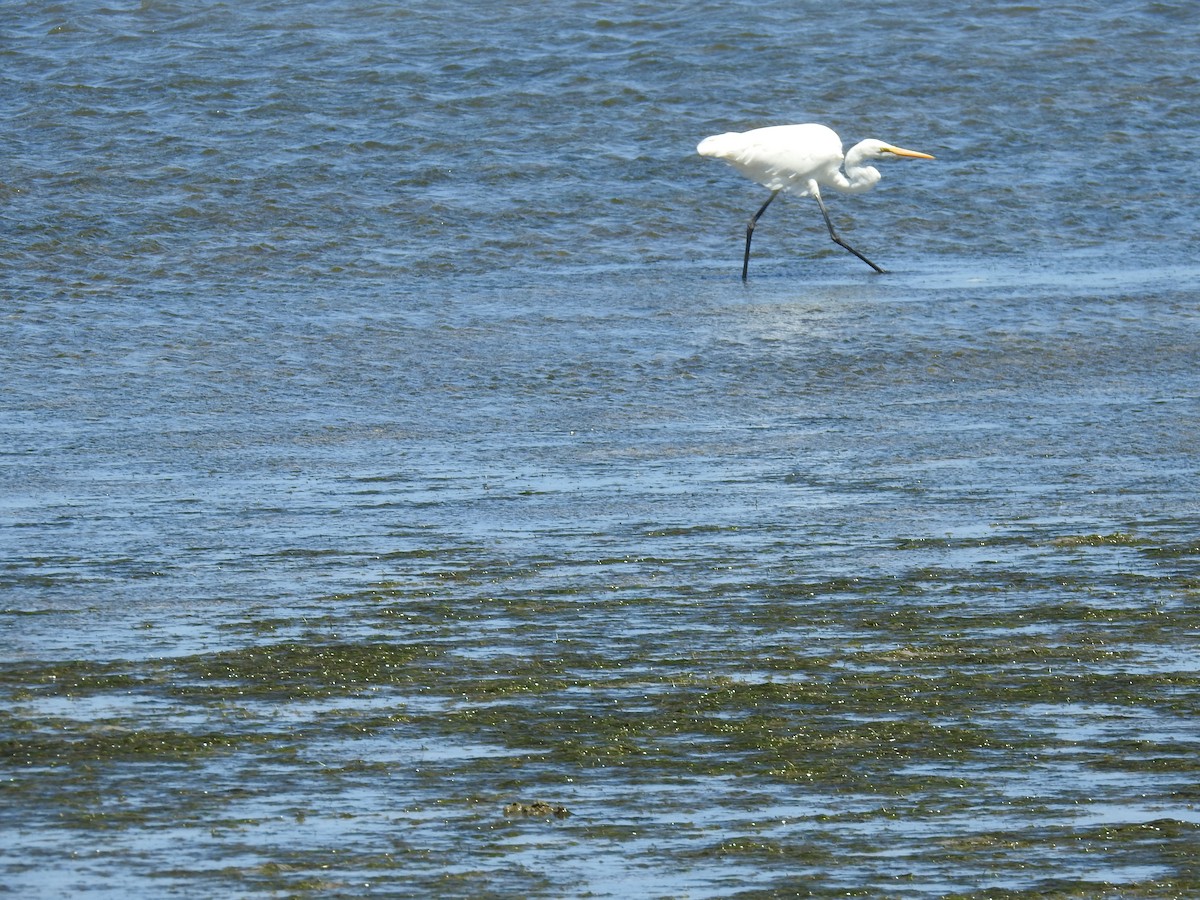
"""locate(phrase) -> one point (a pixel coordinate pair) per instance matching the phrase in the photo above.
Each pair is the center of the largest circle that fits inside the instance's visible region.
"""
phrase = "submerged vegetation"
(1050, 742)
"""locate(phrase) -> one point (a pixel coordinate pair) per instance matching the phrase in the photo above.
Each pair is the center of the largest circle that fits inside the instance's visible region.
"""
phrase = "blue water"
(309, 308)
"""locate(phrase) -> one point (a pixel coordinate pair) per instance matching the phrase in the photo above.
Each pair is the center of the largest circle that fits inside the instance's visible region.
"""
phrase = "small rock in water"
(536, 809)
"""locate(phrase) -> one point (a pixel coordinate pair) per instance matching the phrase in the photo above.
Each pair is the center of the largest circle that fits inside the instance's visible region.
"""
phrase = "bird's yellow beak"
(900, 151)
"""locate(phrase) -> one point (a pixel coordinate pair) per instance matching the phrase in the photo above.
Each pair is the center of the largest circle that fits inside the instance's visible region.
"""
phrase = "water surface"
(390, 445)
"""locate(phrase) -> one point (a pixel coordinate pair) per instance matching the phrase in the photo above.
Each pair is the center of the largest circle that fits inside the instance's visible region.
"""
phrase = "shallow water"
(389, 439)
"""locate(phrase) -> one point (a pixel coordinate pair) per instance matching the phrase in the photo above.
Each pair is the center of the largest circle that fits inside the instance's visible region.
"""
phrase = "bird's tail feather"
(720, 146)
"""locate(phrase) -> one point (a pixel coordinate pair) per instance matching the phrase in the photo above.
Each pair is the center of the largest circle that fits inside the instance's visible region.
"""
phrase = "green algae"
(295, 669)
(1116, 538)
(69, 743)
(915, 713)
(67, 677)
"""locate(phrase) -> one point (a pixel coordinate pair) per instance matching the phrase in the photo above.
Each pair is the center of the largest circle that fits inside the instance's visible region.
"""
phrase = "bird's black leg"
(750, 232)
(837, 240)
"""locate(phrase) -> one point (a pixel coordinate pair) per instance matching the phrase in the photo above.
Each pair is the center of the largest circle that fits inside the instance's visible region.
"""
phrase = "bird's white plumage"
(782, 157)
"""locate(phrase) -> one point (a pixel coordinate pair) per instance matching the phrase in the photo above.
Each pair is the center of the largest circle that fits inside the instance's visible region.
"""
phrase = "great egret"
(800, 159)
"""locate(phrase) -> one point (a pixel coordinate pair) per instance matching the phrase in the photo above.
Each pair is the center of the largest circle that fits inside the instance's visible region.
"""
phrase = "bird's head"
(872, 149)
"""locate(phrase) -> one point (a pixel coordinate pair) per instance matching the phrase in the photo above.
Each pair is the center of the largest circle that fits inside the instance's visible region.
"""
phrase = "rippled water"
(390, 444)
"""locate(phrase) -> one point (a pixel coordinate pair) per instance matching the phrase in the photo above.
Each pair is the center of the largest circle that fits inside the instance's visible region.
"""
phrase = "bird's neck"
(859, 176)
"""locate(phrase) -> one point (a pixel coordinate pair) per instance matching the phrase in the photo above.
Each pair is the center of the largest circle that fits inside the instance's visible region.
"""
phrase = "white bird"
(800, 159)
